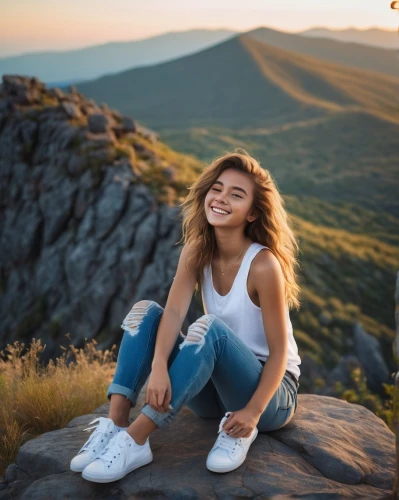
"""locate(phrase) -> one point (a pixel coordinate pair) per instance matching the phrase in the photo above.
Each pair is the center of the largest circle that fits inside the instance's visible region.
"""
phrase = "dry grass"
(37, 398)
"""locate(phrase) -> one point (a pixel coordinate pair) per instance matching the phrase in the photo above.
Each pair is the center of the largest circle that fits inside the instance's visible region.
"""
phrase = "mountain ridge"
(376, 37)
(111, 57)
(259, 77)
(91, 62)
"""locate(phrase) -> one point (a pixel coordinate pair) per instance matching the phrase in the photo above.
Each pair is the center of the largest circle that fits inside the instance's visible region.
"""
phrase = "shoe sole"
(226, 469)
(123, 474)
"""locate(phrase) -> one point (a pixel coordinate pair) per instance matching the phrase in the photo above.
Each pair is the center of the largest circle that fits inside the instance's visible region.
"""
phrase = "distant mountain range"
(245, 82)
(58, 68)
(330, 131)
(379, 38)
(64, 67)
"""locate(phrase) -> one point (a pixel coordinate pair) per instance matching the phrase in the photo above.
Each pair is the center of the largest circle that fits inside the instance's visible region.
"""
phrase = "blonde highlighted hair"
(271, 228)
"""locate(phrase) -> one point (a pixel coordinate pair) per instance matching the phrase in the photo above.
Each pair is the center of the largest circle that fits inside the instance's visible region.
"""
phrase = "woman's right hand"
(159, 390)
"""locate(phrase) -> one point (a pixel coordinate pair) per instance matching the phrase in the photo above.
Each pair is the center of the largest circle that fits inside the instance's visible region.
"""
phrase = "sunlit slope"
(327, 85)
(345, 216)
(358, 269)
(244, 82)
(350, 157)
(354, 55)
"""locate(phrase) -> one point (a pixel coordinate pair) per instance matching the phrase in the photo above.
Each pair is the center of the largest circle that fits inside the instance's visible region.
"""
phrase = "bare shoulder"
(190, 251)
(265, 264)
(189, 256)
(268, 275)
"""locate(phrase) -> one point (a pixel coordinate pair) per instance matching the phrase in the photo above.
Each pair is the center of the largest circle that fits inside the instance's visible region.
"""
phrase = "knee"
(136, 315)
(197, 331)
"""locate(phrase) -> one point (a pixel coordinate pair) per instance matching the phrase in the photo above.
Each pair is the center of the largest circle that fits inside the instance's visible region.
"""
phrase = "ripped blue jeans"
(211, 370)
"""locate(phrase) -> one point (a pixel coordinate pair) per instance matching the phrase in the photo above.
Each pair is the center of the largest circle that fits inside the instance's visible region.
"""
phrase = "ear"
(253, 216)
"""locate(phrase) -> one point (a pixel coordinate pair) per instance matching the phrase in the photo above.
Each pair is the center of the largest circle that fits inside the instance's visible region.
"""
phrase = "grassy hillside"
(345, 216)
(243, 82)
(345, 157)
(348, 53)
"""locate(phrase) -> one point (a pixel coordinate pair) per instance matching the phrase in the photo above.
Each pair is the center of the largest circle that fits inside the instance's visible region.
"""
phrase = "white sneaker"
(96, 443)
(228, 453)
(121, 456)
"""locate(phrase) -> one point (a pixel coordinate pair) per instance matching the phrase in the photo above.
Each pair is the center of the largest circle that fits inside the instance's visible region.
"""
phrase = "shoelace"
(108, 455)
(95, 438)
(225, 441)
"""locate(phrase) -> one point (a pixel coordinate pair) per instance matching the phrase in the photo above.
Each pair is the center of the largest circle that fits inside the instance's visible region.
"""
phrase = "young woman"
(239, 360)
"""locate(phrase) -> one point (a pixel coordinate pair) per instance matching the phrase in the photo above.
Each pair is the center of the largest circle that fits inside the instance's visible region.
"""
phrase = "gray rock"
(21, 235)
(71, 109)
(368, 350)
(56, 204)
(78, 228)
(104, 139)
(99, 123)
(330, 448)
(109, 207)
(57, 93)
(128, 124)
(342, 372)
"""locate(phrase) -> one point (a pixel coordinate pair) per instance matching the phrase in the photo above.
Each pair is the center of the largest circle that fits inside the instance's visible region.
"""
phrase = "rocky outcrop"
(329, 449)
(368, 351)
(83, 234)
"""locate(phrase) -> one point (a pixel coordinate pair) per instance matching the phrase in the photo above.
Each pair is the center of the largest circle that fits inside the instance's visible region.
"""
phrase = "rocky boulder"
(329, 449)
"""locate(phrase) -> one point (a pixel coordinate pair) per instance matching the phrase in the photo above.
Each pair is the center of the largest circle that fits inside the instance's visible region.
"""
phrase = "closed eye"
(218, 190)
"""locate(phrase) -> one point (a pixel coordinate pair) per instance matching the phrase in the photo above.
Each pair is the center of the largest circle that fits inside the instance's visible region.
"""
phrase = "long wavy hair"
(271, 228)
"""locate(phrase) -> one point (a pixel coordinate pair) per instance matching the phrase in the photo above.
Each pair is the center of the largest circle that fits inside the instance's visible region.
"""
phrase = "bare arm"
(176, 308)
(270, 289)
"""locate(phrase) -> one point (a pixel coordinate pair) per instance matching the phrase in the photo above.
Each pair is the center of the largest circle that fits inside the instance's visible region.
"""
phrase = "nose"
(219, 199)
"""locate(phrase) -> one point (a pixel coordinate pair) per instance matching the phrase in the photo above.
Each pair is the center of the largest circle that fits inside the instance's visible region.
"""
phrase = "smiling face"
(233, 193)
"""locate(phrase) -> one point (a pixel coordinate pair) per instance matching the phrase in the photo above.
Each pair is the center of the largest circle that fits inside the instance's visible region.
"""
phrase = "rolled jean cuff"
(161, 420)
(124, 391)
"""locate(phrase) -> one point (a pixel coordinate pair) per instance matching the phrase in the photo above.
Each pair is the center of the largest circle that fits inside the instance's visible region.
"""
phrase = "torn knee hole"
(196, 334)
(135, 317)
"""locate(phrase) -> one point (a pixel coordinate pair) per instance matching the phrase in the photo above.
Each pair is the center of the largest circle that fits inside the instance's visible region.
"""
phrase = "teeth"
(219, 211)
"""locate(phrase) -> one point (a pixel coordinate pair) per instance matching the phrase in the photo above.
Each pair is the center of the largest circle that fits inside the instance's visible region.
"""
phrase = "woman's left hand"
(241, 423)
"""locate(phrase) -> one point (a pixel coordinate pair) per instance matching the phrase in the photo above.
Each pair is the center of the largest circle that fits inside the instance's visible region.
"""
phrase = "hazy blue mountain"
(62, 68)
(65, 67)
(374, 36)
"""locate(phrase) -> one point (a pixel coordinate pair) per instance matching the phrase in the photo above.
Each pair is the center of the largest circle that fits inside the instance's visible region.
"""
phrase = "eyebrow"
(233, 187)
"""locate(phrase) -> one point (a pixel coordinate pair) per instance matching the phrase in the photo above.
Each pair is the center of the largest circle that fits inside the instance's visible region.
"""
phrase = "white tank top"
(238, 311)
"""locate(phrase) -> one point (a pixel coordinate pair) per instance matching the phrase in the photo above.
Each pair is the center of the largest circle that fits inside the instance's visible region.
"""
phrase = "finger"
(228, 425)
(154, 402)
(167, 399)
(160, 399)
(236, 432)
(168, 406)
(230, 429)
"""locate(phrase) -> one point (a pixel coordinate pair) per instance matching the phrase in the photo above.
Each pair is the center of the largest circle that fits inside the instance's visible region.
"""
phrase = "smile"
(219, 211)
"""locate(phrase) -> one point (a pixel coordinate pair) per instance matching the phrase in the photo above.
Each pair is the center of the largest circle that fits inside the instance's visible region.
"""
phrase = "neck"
(229, 249)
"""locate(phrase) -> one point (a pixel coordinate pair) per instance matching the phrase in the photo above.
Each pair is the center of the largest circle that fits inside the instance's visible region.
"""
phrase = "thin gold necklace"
(237, 256)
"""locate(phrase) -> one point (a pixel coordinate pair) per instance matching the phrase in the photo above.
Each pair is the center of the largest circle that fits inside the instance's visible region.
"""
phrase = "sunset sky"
(32, 25)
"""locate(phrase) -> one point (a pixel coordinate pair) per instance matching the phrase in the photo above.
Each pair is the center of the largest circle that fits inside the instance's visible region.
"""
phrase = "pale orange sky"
(36, 25)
